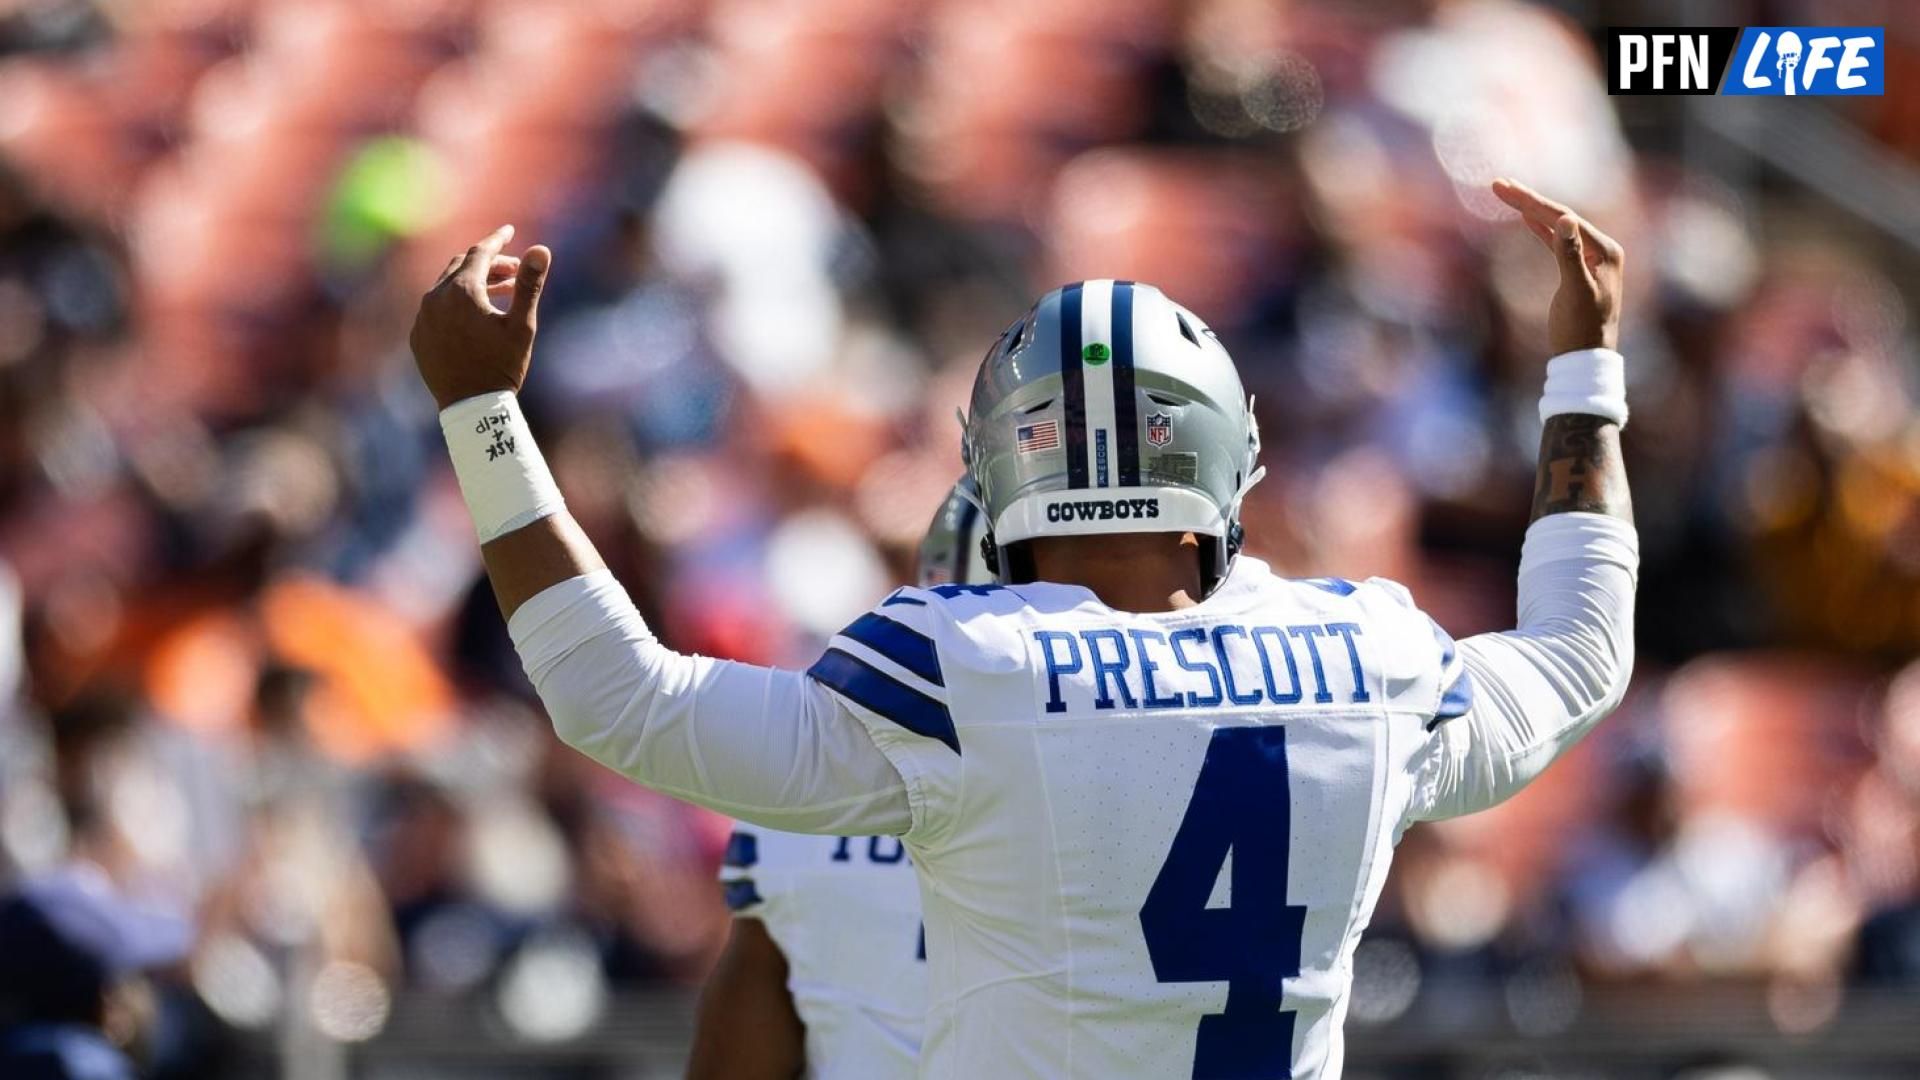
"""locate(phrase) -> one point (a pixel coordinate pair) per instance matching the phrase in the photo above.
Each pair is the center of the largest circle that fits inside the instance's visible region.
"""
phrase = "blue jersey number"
(878, 849)
(1240, 805)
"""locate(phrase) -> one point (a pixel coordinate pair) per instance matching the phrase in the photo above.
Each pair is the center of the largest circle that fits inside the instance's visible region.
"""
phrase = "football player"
(826, 964)
(1150, 788)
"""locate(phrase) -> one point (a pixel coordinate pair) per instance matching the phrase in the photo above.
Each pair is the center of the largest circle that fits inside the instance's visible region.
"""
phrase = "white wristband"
(1589, 381)
(501, 472)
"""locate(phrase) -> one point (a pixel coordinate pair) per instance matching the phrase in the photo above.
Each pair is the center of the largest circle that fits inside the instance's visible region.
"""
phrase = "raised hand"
(1580, 464)
(461, 342)
(1585, 313)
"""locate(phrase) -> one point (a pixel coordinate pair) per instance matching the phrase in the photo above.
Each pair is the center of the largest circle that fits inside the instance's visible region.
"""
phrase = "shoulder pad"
(1392, 588)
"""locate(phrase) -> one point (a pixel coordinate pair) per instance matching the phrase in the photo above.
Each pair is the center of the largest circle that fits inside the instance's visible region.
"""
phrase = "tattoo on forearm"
(1580, 468)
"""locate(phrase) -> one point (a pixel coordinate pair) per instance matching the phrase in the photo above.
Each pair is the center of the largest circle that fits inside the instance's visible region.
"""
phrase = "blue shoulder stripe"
(1457, 701)
(743, 850)
(873, 689)
(740, 894)
(1334, 585)
(899, 643)
(1445, 641)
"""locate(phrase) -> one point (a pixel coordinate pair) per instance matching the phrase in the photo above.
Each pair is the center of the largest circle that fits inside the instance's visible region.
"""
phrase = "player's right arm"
(1518, 699)
(466, 349)
(772, 747)
(747, 1028)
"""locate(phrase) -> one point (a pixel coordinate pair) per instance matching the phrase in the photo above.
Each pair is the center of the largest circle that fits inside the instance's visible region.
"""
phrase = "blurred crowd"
(248, 663)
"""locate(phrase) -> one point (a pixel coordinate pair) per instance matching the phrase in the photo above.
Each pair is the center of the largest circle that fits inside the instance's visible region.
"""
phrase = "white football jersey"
(1149, 841)
(845, 911)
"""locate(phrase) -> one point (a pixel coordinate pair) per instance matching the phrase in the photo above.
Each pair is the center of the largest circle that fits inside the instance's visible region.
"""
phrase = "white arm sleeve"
(767, 746)
(1538, 689)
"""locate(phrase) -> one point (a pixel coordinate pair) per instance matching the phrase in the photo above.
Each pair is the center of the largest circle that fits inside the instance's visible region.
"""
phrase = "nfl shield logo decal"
(1159, 429)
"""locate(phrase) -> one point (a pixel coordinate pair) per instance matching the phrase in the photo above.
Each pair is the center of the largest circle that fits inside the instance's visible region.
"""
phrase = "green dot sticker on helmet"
(1096, 354)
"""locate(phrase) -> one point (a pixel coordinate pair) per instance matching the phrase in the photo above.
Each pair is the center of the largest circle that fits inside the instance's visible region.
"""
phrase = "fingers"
(482, 270)
(503, 273)
(479, 259)
(1542, 217)
(1603, 251)
(1533, 206)
(1569, 247)
(1543, 232)
(447, 272)
(526, 291)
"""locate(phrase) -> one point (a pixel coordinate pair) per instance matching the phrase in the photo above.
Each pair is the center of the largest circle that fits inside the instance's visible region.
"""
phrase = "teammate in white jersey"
(826, 963)
(1150, 789)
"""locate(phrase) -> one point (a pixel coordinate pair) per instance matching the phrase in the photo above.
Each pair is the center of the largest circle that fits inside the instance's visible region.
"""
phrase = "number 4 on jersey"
(1240, 805)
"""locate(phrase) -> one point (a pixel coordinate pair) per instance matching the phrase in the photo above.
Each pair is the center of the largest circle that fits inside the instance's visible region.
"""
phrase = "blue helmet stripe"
(901, 644)
(1073, 385)
(1126, 409)
(880, 693)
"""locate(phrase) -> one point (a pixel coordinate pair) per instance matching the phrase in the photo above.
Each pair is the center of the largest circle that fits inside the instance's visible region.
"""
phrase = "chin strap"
(1230, 513)
(989, 551)
(980, 504)
(990, 554)
(1233, 534)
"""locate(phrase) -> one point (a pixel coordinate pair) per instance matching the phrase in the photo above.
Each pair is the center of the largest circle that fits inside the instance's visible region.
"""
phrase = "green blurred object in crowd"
(386, 192)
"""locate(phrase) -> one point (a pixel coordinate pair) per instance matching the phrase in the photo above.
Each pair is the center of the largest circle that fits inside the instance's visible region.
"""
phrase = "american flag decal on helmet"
(1032, 438)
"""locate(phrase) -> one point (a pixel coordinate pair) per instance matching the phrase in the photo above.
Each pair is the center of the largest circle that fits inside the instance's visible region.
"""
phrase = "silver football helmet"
(1109, 408)
(951, 553)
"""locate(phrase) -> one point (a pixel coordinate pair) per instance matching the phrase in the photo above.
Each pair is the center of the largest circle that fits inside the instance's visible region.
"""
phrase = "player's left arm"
(1537, 689)
(764, 745)
(747, 1028)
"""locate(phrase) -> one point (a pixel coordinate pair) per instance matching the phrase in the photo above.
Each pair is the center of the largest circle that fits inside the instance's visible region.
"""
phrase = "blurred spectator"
(72, 1004)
